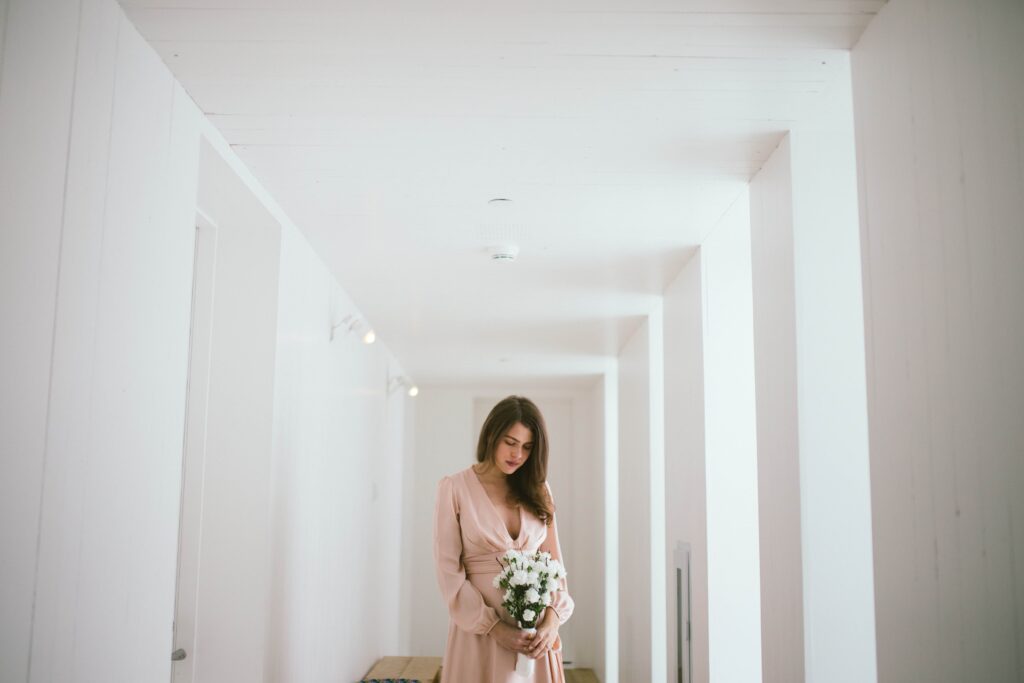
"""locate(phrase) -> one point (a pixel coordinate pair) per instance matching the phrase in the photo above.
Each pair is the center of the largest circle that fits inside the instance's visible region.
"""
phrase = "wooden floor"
(580, 676)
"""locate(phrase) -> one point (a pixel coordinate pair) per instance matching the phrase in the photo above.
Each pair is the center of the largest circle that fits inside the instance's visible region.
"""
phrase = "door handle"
(178, 655)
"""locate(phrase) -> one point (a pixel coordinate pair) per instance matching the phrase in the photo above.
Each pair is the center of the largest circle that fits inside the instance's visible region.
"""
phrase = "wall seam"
(99, 271)
(53, 342)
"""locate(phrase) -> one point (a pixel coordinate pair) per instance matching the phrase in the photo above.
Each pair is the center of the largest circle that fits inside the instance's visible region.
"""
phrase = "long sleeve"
(562, 603)
(465, 604)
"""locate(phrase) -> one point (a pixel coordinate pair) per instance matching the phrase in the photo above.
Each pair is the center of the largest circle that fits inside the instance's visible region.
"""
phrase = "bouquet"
(529, 579)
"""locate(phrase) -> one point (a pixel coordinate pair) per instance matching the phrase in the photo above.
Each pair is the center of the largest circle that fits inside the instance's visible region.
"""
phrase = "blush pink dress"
(469, 537)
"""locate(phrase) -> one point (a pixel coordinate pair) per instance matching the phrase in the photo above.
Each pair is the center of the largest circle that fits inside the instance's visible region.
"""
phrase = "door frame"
(186, 604)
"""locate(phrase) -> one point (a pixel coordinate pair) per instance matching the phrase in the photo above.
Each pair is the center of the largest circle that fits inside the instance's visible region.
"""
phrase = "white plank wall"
(734, 603)
(835, 512)
(233, 581)
(337, 486)
(939, 104)
(634, 512)
(105, 162)
(35, 113)
(685, 484)
(778, 448)
(109, 401)
(99, 168)
(582, 475)
(817, 590)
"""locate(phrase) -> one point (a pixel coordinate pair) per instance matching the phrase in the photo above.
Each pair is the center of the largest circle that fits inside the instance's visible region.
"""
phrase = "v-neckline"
(501, 520)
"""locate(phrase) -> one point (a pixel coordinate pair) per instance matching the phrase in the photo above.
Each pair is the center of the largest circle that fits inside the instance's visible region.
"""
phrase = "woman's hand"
(512, 638)
(547, 634)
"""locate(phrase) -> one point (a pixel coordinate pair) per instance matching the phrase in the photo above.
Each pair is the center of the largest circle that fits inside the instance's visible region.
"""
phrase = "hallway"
(268, 264)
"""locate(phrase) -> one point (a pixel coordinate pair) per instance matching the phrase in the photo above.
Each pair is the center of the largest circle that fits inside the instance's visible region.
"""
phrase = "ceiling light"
(395, 383)
(504, 253)
(356, 325)
(501, 230)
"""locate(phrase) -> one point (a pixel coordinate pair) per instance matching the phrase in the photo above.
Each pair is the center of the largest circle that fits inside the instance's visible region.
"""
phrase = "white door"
(184, 654)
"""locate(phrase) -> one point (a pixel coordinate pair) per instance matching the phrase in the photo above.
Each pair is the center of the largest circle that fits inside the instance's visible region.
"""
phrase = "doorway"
(184, 654)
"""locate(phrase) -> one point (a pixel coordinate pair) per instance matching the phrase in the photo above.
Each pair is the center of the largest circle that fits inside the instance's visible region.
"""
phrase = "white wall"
(99, 171)
(817, 586)
(606, 397)
(939, 105)
(233, 581)
(98, 175)
(448, 420)
(685, 495)
(778, 453)
(835, 492)
(642, 588)
(444, 444)
(734, 629)
(337, 485)
(634, 513)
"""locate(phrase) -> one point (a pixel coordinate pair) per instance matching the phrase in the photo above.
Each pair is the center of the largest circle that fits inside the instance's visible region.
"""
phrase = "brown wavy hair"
(526, 485)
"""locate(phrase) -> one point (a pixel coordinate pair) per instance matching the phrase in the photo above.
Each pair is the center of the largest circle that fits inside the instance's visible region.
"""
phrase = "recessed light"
(504, 253)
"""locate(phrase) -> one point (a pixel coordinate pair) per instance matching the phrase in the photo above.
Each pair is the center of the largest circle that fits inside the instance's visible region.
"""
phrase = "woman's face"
(513, 448)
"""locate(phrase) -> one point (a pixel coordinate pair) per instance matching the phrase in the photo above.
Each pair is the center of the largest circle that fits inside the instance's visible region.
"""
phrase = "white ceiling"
(620, 129)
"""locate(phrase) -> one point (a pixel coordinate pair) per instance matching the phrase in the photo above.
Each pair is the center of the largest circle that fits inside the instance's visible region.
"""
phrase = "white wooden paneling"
(656, 492)
(685, 482)
(591, 115)
(127, 534)
(634, 511)
(101, 579)
(778, 452)
(839, 633)
(941, 208)
(445, 443)
(72, 430)
(584, 478)
(233, 583)
(812, 431)
(734, 603)
(338, 489)
(35, 112)
(456, 29)
(129, 513)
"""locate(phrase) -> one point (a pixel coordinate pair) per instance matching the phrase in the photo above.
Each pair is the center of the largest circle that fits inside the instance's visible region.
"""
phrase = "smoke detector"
(504, 253)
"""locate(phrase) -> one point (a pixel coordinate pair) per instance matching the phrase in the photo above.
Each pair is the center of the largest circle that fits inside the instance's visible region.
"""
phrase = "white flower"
(519, 578)
(508, 596)
(547, 599)
(528, 615)
(532, 595)
(497, 581)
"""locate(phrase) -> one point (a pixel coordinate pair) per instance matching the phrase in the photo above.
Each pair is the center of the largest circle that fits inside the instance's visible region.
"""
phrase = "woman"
(501, 502)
